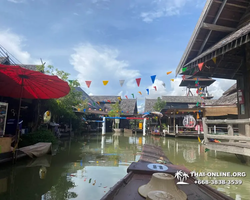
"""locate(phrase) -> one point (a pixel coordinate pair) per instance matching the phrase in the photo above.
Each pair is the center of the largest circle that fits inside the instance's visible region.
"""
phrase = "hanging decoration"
(184, 69)
(138, 81)
(98, 102)
(109, 101)
(84, 110)
(163, 84)
(126, 96)
(88, 83)
(121, 82)
(119, 98)
(147, 91)
(153, 78)
(200, 65)
(214, 59)
(132, 95)
(172, 80)
(140, 93)
(155, 88)
(105, 82)
(169, 72)
(198, 116)
(183, 77)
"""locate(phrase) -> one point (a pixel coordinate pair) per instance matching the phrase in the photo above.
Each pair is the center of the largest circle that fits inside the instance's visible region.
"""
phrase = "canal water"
(86, 168)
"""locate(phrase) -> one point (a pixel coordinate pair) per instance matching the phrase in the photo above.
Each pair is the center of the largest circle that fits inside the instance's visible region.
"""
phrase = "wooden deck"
(139, 174)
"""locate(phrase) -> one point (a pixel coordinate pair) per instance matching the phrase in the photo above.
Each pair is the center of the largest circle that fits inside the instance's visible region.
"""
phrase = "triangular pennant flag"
(197, 91)
(169, 72)
(197, 104)
(200, 65)
(198, 116)
(138, 80)
(183, 77)
(105, 82)
(171, 79)
(214, 59)
(88, 83)
(98, 102)
(163, 84)
(132, 95)
(109, 101)
(94, 103)
(155, 88)
(153, 78)
(140, 93)
(147, 91)
(121, 82)
(184, 69)
(126, 96)
(119, 98)
(89, 104)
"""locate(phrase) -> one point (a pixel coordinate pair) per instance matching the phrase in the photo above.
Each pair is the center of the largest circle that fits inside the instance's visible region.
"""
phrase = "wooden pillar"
(174, 122)
(205, 129)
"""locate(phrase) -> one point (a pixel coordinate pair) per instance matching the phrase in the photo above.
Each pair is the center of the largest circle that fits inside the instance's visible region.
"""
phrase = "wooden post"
(168, 129)
(210, 130)
(205, 129)
(174, 122)
(247, 130)
(199, 129)
(176, 128)
(230, 131)
(214, 128)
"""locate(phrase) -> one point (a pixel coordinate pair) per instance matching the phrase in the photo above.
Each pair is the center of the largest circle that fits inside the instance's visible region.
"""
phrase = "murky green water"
(87, 168)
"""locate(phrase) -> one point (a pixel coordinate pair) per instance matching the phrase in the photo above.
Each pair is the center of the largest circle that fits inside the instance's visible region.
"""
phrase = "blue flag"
(147, 91)
(153, 78)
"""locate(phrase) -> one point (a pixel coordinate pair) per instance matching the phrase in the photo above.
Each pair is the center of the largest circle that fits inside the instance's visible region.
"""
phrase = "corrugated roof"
(229, 97)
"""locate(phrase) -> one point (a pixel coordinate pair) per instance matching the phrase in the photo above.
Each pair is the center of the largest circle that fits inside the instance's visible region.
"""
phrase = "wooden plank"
(205, 129)
(228, 121)
(226, 137)
(215, 27)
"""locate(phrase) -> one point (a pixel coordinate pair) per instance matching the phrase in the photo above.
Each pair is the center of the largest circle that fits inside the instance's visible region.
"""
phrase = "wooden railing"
(230, 136)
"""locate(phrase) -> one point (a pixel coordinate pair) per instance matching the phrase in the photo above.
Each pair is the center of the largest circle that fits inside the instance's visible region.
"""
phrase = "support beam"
(144, 126)
(104, 126)
(214, 27)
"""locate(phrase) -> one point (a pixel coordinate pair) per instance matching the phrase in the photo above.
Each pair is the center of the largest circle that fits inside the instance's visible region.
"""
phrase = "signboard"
(189, 121)
(140, 125)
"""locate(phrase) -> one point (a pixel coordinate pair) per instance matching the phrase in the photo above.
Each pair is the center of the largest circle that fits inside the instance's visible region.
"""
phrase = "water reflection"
(86, 168)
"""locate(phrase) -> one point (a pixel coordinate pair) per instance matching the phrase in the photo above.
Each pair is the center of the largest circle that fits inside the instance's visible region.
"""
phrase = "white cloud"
(161, 90)
(141, 107)
(98, 63)
(15, 44)
(163, 8)
(16, 1)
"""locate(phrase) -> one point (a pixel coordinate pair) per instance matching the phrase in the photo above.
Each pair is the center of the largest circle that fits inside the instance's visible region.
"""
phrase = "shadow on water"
(86, 168)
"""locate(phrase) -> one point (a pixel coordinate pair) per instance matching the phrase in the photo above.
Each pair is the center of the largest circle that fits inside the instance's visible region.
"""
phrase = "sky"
(97, 40)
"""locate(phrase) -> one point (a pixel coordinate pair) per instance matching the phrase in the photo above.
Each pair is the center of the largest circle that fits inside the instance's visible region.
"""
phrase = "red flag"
(155, 88)
(138, 80)
(197, 91)
(126, 96)
(109, 101)
(183, 77)
(88, 83)
(200, 65)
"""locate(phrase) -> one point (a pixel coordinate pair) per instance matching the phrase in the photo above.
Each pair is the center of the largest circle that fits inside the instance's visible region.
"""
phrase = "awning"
(232, 41)
(215, 111)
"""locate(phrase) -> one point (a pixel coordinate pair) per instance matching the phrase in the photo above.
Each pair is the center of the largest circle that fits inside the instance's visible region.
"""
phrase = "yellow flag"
(199, 139)
(214, 59)
(169, 72)
(105, 82)
(198, 116)
(171, 79)
(140, 93)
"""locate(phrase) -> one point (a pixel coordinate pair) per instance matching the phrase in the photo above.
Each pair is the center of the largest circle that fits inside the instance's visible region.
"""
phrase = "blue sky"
(100, 40)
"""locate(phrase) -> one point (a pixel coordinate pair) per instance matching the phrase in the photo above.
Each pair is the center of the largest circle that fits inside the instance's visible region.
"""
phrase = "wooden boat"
(139, 174)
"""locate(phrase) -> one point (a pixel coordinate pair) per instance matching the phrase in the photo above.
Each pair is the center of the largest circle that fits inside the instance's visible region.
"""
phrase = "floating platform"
(140, 174)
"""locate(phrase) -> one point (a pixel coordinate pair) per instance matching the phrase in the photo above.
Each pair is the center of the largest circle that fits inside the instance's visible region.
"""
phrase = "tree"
(159, 105)
(115, 112)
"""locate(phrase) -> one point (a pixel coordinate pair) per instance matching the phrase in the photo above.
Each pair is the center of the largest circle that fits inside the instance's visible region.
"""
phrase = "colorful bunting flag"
(98, 102)
(198, 116)
(138, 80)
(109, 101)
(183, 77)
(155, 88)
(121, 82)
(171, 79)
(119, 98)
(197, 104)
(126, 96)
(147, 91)
(200, 65)
(132, 95)
(88, 83)
(105, 82)
(184, 69)
(153, 78)
(169, 72)
(163, 84)
(140, 93)
(84, 110)
(214, 59)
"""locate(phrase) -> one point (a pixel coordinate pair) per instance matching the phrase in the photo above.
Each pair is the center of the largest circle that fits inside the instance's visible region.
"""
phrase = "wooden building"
(220, 44)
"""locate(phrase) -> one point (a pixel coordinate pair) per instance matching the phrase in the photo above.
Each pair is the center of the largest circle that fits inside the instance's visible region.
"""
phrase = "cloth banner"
(153, 78)
(88, 83)
(138, 80)
(105, 82)
(169, 72)
(121, 82)
(147, 91)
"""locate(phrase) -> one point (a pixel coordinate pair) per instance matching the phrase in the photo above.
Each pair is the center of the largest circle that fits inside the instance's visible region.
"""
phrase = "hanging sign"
(189, 121)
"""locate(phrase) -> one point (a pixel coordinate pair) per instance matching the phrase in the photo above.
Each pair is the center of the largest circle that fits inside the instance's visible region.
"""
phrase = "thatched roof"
(149, 103)
(229, 97)
(184, 99)
(93, 105)
(100, 99)
(129, 105)
(6, 61)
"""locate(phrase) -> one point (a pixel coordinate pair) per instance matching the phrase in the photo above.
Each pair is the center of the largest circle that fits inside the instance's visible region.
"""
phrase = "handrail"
(230, 129)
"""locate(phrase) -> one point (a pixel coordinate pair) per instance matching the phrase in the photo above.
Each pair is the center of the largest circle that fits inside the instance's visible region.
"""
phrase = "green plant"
(42, 135)
(165, 127)
(159, 105)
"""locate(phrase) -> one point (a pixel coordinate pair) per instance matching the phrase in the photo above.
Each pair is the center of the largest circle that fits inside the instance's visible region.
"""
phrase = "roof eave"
(194, 36)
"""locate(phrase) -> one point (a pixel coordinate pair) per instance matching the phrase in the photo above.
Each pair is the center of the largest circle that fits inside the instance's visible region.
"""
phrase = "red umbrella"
(18, 82)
